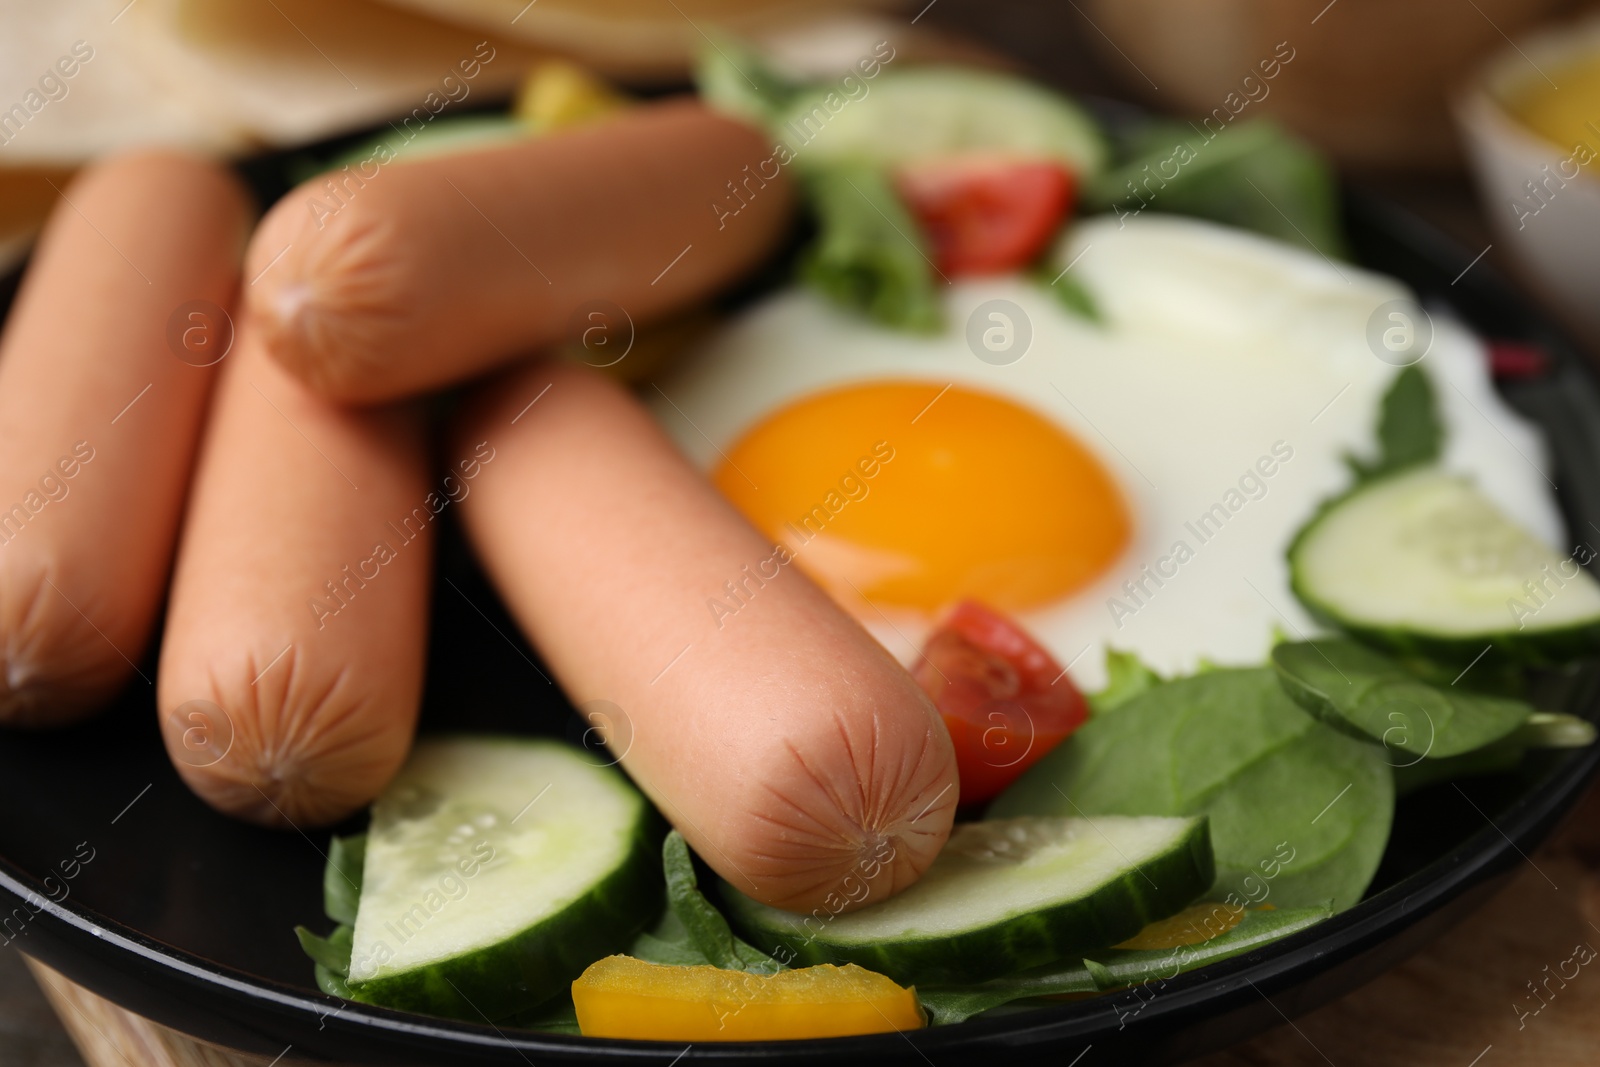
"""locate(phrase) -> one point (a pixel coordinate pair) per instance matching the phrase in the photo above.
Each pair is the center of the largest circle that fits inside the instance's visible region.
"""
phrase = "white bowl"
(1541, 201)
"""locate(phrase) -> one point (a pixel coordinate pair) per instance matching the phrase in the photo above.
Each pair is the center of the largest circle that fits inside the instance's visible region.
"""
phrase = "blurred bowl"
(1542, 198)
(1368, 82)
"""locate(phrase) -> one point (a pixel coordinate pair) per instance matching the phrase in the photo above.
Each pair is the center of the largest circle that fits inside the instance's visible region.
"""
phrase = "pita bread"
(228, 76)
(649, 39)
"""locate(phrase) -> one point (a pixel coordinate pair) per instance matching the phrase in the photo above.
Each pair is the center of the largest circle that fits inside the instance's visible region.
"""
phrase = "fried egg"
(1131, 483)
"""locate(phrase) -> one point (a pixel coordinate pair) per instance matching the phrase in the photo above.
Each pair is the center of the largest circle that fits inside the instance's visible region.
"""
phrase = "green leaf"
(1372, 696)
(1117, 968)
(332, 982)
(341, 878)
(1071, 295)
(1253, 175)
(1284, 793)
(556, 1016)
(1123, 967)
(706, 933)
(1126, 677)
(331, 952)
(1409, 429)
(1099, 975)
(869, 252)
(734, 79)
(1543, 729)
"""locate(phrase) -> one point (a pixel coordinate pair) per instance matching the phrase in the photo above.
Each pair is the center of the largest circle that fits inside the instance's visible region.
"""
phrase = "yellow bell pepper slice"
(1193, 925)
(559, 94)
(620, 996)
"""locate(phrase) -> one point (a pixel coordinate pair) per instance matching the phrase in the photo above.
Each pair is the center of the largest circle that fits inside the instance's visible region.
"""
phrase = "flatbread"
(650, 39)
(224, 77)
(291, 71)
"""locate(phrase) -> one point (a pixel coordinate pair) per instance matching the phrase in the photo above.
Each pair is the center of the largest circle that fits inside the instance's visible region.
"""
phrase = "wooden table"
(1454, 1004)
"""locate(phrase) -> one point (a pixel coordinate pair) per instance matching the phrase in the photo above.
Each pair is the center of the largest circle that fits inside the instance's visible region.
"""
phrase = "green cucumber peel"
(1299, 812)
(1116, 968)
(1375, 697)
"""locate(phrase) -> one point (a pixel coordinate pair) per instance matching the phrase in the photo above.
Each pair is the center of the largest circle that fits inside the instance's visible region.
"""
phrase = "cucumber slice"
(1423, 563)
(1003, 896)
(941, 111)
(496, 870)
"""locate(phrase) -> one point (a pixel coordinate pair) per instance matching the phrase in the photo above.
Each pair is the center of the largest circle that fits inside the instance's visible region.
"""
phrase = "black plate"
(185, 917)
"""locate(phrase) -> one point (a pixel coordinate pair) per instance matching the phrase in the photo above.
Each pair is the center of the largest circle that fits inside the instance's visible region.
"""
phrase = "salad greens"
(1373, 696)
(1116, 968)
(341, 892)
(869, 253)
(693, 932)
(1299, 812)
(1126, 677)
(1254, 175)
(1410, 431)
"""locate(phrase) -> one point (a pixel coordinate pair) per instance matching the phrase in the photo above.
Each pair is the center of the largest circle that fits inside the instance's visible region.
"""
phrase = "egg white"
(1217, 345)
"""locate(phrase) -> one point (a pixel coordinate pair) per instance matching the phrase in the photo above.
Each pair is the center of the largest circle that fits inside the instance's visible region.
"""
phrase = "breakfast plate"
(116, 875)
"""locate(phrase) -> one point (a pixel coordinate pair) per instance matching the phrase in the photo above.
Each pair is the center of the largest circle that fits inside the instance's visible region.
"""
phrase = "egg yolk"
(918, 495)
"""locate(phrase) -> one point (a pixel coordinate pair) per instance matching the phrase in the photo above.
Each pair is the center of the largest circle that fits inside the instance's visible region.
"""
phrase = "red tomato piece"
(1005, 700)
(986, 215)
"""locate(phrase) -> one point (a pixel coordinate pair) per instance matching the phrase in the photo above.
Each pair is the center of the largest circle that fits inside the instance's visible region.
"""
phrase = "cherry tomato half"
(1005, 700)
(987, 216)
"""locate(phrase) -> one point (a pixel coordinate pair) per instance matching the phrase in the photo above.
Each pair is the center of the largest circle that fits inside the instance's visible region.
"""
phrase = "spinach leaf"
(1372, 696)
(1253, 175)
(869, 252)
(1126, 678)
(341, 878)
(556, 1016)
(1409, 428)
(1543, 729)
(1299, 812)
(1116, 968)
(693, 931)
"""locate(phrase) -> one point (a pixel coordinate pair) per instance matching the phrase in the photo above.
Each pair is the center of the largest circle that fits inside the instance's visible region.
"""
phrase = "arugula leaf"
(1253, 175)
(1231, 745)
(869, 252)
(341, 878)
(694, 931)
(1410, 431)
(1372, 696)
(1116, 968)
(1126, 678)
